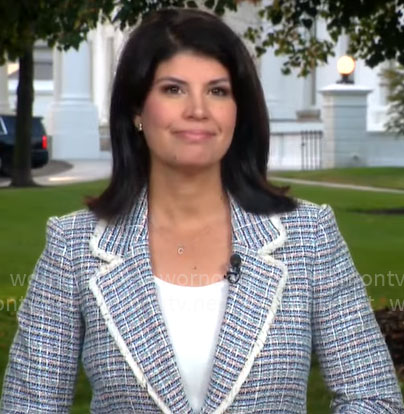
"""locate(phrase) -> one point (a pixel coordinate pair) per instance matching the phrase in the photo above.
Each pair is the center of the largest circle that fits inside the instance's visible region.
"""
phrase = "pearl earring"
(140, 127)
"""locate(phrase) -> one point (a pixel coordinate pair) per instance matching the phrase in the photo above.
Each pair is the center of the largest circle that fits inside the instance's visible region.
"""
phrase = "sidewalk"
(337, 185)
(68, 172)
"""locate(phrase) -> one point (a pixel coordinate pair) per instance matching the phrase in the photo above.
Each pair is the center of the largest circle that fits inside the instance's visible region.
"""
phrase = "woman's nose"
(196, 106)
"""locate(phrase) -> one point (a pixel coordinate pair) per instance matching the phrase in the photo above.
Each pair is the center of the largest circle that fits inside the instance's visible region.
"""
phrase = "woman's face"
(190, 113)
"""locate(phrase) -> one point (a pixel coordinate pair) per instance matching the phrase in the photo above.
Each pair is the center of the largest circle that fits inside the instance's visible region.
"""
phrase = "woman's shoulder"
(309, 216)
(80, 222)
(306, 210)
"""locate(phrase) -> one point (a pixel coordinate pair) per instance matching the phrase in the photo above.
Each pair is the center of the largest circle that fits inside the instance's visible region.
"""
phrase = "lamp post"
(346, 66)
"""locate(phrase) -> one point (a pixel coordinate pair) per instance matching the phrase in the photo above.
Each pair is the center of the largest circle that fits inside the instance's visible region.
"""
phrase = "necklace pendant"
(180, 250)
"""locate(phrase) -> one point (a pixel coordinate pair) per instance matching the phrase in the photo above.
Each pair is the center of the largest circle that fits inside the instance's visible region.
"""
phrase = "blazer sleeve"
(352, 353)
(43, 361)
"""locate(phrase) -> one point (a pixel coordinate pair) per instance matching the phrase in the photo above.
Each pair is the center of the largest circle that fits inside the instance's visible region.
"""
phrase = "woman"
(136, 285)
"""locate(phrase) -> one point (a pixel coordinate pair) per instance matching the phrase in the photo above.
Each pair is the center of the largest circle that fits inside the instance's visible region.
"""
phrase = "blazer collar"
(125, 293)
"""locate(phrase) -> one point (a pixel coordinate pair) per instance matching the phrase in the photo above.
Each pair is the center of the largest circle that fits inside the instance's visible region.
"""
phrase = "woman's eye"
(220, 91)
(171, 89)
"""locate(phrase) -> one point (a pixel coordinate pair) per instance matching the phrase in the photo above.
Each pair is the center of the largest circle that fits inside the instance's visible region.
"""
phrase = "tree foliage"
(375, 29)
(62, 22)
(66, 23)
(127, 12)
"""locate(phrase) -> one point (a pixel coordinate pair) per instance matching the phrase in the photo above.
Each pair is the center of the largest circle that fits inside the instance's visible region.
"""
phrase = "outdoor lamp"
(345, 66)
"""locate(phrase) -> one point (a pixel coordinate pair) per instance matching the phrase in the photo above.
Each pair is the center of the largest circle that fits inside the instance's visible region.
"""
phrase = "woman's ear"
(137, 120)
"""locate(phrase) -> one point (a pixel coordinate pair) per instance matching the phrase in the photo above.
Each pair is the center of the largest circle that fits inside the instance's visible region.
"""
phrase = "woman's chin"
(195, 166)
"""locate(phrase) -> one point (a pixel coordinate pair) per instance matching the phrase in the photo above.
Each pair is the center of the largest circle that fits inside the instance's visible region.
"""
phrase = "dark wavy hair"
(159, 37)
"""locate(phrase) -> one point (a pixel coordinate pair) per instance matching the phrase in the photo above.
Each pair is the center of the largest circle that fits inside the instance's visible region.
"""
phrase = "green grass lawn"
(376, 243)
(389, 177)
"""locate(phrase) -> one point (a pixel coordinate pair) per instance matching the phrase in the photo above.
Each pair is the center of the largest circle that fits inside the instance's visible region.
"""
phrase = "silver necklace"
(181, 247)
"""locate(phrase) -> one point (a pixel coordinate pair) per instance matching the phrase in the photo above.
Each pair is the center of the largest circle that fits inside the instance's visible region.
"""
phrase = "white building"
(72, 94)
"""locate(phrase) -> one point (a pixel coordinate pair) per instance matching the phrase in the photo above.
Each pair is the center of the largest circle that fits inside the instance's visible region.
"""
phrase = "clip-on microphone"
(233, 274)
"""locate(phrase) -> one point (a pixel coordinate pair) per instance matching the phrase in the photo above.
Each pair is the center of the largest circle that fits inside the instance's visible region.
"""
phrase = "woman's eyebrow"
(182, 82)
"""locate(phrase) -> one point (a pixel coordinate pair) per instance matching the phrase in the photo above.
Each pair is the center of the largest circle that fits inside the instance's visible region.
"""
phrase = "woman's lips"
(195, 135)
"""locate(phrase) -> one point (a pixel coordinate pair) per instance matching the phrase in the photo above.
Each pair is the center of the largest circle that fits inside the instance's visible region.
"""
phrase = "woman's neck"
(186, 200)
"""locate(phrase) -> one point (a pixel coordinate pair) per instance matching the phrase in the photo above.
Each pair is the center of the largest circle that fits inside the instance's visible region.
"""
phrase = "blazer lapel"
(251, 305)
(125, 293)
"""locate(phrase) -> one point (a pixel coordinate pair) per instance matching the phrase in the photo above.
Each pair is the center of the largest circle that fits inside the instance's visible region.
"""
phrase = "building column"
(344, 114)
(73, 120)
(4, 97)
(378, 104)
(309, 110)
(103, 70)
(283, 93)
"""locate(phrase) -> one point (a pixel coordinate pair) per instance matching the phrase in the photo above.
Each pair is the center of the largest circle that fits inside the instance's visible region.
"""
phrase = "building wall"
(385, 149)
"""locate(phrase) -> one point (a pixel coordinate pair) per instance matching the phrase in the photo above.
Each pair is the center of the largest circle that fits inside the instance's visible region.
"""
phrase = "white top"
(193, 316)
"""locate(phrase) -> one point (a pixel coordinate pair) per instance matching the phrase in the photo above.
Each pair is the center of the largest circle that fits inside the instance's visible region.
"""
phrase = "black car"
(39, 140)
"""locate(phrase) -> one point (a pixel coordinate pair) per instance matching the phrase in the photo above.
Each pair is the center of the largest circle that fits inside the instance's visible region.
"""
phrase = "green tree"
(375, 29)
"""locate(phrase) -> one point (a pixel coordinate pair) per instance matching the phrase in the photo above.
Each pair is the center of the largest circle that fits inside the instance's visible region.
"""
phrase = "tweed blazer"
(92, 296)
